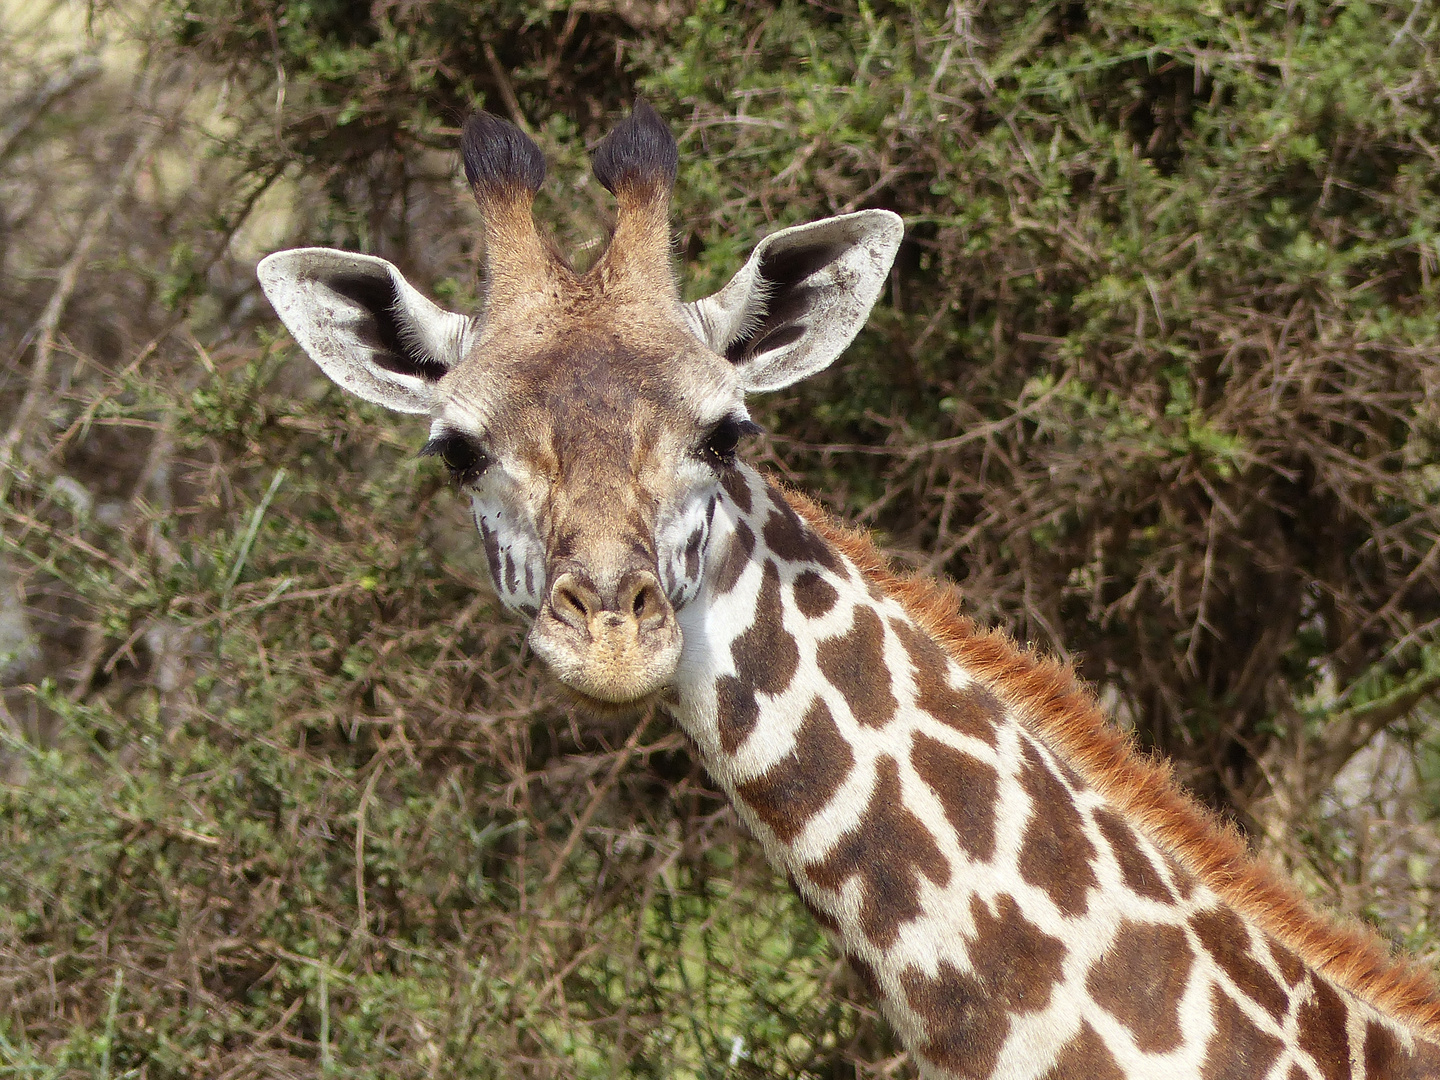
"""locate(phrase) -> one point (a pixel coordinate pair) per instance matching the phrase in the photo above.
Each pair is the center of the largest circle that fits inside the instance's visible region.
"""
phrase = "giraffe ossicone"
(1025, 897)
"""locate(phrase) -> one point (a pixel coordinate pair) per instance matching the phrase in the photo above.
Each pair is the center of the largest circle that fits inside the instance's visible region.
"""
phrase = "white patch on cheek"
(681, 541)
(513, 552)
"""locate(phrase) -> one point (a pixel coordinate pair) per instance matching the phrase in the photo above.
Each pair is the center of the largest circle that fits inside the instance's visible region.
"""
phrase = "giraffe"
(1023, 894)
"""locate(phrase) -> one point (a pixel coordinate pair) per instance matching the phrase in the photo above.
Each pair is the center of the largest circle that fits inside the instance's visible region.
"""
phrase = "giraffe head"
(590, 417)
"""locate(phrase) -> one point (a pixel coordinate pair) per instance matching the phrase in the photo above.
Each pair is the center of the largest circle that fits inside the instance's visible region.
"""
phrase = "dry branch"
(46, 329)
(32, 105)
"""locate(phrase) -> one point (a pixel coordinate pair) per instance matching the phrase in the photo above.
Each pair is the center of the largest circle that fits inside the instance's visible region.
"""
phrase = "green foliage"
(319, 828)
(1162, 300)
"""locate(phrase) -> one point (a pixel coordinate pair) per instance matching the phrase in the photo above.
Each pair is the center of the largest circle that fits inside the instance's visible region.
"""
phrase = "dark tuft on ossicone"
(639, 151)
(499, 156)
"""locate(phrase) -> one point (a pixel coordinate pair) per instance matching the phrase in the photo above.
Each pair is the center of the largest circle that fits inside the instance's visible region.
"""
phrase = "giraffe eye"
(722, 440)
(462, 458)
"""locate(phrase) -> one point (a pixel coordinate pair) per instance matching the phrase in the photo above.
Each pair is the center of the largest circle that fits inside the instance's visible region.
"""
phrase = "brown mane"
(1065, 714)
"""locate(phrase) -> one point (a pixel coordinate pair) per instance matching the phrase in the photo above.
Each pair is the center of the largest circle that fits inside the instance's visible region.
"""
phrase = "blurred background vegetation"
(281, 793)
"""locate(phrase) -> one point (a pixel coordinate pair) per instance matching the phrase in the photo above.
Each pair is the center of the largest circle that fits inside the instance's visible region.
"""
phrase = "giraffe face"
(592, 466)
(589, 417)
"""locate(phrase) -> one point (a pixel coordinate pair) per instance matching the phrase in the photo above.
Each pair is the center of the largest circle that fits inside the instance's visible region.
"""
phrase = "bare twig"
(1347, 733)
(507, 91)
(583, 821)
(32, 106)
(362, 917)
(48, 326)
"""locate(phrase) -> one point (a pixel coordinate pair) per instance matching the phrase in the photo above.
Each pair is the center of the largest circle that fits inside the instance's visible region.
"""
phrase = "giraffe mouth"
(615, 651)
(611, 674)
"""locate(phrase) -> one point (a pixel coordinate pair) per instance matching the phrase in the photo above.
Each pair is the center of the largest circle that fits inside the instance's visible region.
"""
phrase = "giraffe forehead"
(627, 378)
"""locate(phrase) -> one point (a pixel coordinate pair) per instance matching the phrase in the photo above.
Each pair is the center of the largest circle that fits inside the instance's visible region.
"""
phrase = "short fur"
(1064, 712)
(637, 163)
(524, 272)
(594, 399)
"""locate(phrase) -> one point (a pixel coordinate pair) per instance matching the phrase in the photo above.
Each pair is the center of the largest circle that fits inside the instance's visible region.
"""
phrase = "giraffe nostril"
(637, 600)
(649, 605)
(573, 601)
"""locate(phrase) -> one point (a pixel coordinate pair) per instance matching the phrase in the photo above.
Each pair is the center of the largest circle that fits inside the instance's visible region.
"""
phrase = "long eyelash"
(730, 427)
(441, 444)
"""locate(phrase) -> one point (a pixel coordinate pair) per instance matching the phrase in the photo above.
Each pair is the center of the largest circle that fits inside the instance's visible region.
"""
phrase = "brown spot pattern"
(1085, 1057)
(1055, 854)
(765, 655)
(736, 712)
(967, 789)
(492, 554)
(854, 663)
(794, 789)
(1296, 1073)
(1182, 879)
(973, 711)
(692, 554)
(1225, 938)
(1426, 1062)
(1238, 1049)
(814, 596)
(736, 558)
(1139, 873)
(1013, 966)
(1321, 1023)
(1141, 979)
(1071, 777)
(791, 539)
(1292, 968)
(888, 850)
(736, 487)
(1383, 1054)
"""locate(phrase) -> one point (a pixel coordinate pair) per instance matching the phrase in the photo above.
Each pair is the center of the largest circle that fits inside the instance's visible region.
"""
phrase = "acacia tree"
(1153, 380)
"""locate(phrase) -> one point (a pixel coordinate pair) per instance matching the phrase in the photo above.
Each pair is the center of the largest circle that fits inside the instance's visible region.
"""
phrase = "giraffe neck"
(1007, 913)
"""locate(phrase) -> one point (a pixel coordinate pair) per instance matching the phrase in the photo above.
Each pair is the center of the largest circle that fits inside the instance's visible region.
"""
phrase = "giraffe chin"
(594, 709)
(611, 679)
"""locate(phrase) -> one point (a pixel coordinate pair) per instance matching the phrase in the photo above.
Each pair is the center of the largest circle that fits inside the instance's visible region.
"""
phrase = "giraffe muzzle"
(617, 644)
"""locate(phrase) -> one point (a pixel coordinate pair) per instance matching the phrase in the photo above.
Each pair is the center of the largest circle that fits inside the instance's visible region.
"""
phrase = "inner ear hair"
(748, 328)
(395, 343)
(779, 300)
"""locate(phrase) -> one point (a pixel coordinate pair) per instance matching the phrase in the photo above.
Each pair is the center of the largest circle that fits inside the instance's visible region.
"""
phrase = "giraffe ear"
(365, 325)
(801, 298)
